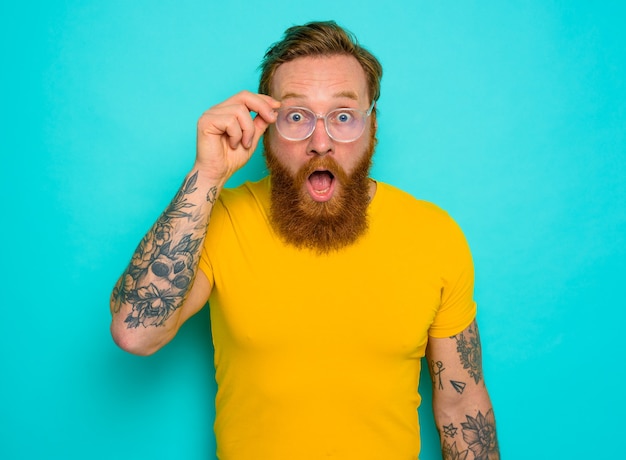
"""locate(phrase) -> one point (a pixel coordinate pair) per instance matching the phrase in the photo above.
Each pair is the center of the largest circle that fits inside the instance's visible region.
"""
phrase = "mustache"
(323, 163)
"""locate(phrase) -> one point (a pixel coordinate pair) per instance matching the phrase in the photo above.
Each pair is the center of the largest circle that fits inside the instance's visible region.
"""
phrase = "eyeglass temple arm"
(369, 111)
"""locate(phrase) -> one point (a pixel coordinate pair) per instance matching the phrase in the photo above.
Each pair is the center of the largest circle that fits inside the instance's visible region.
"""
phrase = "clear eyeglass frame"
(355, 132)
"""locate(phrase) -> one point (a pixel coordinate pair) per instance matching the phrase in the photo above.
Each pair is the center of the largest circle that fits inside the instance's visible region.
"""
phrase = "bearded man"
(326, 288)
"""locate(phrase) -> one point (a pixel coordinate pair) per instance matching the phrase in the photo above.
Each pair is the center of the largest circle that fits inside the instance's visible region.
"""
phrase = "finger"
(260, 122)
(221, 124)
(268, 111)
(234, 132)
(274, 103)
(248, 127)
(261, 104)
(261, 126)
(236, 123)
(265, 115)
(234, 118)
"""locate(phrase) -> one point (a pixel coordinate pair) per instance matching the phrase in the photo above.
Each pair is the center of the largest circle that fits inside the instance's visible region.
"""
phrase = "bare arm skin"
(461, 405)
(161, 287)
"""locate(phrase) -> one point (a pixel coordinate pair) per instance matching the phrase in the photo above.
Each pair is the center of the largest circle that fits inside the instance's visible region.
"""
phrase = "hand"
(228, 133)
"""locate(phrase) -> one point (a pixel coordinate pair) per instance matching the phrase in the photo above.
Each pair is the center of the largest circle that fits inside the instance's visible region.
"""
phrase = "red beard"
(320, 226)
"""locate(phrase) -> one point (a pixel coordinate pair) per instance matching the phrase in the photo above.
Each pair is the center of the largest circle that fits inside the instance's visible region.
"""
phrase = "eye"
(160, 269)
(181, 281)
(343, 116)
(295, 116)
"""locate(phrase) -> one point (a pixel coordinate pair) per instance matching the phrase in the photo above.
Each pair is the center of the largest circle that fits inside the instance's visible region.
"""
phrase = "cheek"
(350, 155)
(288, 153)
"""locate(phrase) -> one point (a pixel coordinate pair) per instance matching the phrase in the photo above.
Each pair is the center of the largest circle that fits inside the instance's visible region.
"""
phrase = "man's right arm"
(161, 287)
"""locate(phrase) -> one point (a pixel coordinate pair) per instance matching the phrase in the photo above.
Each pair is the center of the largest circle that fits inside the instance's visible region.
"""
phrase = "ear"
(374, 118)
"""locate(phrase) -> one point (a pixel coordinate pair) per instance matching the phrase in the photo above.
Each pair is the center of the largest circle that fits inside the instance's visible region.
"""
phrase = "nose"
(320, 142)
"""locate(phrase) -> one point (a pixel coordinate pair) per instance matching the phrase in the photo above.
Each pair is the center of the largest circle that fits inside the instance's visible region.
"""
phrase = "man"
(325, 287)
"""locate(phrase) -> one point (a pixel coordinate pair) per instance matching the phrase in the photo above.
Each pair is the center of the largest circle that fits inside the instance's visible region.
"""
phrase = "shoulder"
(245, 191)
(237, 210)
(393, 201)
(245, 196)
(416, 223)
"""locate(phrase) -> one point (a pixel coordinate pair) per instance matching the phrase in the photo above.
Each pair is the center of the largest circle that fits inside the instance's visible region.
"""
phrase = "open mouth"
(320, 185)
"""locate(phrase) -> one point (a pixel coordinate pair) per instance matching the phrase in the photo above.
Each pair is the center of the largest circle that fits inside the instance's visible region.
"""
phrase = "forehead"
(313, 78)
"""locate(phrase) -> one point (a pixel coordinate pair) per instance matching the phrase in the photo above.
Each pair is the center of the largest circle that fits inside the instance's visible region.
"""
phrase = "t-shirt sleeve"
(216, 223)
(457, 308)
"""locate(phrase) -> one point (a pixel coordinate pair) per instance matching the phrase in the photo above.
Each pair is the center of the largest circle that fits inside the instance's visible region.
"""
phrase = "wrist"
(207, 180)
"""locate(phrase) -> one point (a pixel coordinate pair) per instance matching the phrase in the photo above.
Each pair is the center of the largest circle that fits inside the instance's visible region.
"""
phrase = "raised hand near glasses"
(228, 133)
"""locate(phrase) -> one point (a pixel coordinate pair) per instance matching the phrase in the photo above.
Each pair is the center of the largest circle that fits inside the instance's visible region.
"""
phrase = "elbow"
(132, 342)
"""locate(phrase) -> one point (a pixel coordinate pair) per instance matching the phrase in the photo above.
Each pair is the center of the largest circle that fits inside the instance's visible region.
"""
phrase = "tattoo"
(172, 262)
(458, 386)
(449, 430)
(451, 452)
(480, 435)
(437, 374)
(470, 351)
(211, 195)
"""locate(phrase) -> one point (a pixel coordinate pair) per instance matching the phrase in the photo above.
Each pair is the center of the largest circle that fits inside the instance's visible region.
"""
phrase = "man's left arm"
(461, 405)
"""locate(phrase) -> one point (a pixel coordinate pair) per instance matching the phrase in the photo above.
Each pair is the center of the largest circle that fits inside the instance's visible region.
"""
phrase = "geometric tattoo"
(470, 352)
(450, 430)
(458, 386)
(171, 264)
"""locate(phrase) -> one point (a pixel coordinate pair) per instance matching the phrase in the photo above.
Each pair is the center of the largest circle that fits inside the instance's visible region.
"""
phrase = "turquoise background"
(510, 115)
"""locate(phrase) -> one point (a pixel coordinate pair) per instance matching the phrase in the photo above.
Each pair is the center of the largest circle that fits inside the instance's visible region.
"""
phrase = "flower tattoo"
(480, 435)
(162, 268)
(451, 452)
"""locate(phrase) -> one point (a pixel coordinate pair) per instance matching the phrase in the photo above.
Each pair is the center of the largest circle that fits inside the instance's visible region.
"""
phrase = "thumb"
(260, 127)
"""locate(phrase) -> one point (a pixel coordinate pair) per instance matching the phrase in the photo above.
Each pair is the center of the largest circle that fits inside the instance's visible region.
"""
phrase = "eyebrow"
(342, 94)
(347, 95)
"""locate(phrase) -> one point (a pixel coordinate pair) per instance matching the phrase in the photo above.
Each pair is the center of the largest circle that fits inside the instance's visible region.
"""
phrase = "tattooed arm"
(161, 287)
(461, 404)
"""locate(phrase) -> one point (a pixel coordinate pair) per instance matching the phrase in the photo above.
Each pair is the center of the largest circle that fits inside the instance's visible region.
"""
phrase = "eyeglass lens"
(298, 123)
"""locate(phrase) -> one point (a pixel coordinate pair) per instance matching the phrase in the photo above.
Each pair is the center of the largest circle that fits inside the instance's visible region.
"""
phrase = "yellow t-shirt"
(318, 356)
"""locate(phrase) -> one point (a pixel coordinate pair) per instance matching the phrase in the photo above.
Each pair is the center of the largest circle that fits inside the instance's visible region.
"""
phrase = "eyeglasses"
(342, 125)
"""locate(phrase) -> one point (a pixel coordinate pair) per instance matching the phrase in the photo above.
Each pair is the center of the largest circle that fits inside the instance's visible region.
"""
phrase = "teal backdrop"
(509, 115)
